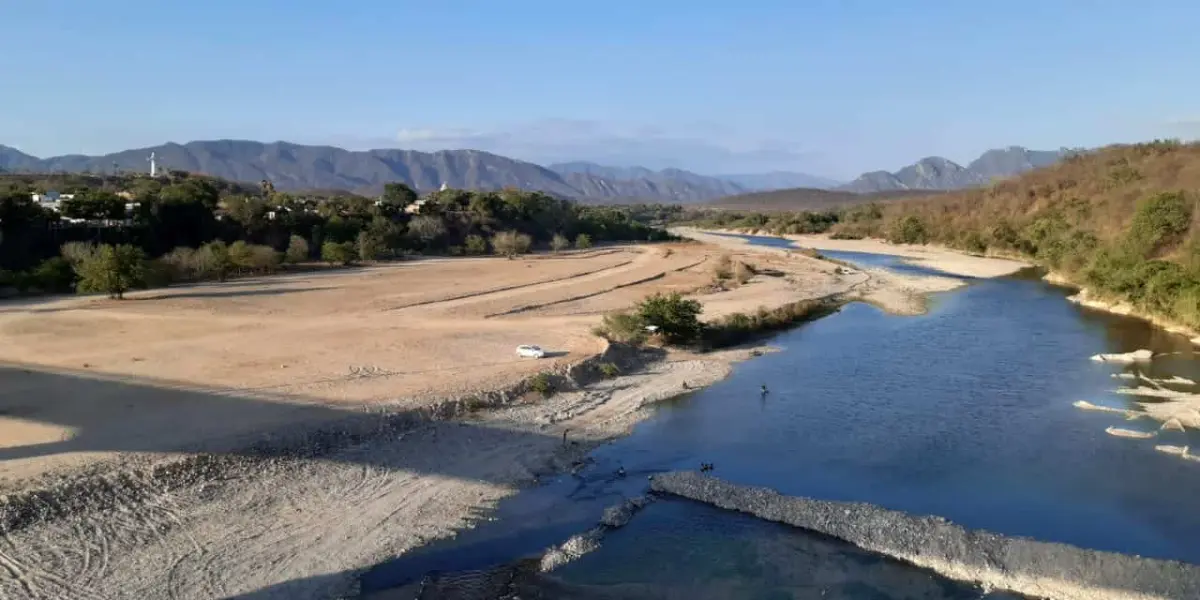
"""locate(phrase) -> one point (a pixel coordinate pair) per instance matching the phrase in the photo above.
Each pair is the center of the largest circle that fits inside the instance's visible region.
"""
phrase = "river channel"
(965, 412)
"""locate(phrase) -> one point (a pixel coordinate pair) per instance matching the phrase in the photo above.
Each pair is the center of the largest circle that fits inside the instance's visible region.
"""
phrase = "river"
(965, 412)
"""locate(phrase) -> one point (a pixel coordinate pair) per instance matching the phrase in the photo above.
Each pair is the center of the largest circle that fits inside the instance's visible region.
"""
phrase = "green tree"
(297, 250)
(475, 244)
(511, 243)
(94, 205)
(215, 260)
(369, 246)
(583, 241)
(426, 230)
(113, 270)
(676, 318)
(398, 195)
(910, 229)
(338, 253)
(55, 275)
(559, 243)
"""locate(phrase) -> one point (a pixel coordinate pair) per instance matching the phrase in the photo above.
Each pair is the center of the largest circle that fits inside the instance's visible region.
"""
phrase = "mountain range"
(937, 173)
(300, 167)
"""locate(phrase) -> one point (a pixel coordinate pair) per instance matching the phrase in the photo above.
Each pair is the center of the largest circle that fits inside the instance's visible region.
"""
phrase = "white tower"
(444, 188)
(153, 165)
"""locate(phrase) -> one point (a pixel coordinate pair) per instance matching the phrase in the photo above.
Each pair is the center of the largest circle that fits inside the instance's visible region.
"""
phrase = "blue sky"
(824, 86)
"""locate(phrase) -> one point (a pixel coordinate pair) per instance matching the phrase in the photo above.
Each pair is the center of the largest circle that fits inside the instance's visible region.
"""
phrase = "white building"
(51, 199)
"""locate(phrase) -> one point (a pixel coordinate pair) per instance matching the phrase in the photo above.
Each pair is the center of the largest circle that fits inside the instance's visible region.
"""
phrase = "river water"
(965, 412)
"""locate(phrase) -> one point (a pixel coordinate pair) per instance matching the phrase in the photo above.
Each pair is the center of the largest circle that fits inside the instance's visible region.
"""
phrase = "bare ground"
(267, 438)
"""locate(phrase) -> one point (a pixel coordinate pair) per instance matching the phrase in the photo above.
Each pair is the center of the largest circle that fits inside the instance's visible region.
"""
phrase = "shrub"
(77, 252)
(622, 326)
(559, 243)
(909, 229)
(338, 253)
(542, 384)
(214, 260)
(676, 318)
(511, 243)
(54, 275)
(475, 245)
(369, 246)
(1159, 221)
(609, 370)
(297, 250)
(739, 327)
(112, 270)
(723, 268)
(583, 241)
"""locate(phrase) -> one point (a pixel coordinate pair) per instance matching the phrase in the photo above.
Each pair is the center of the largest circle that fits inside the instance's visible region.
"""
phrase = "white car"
(526, 351)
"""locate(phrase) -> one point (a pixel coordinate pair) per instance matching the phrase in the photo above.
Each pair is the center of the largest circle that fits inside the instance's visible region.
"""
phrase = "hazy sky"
(832, 87)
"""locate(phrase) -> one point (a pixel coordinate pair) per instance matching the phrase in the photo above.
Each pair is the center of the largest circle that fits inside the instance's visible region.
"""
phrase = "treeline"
(187, 227)
(1122, 221)
(775, 223)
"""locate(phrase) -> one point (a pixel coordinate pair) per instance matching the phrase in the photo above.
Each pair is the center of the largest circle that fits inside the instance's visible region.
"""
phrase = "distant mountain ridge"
(937, 173)
(296, 167)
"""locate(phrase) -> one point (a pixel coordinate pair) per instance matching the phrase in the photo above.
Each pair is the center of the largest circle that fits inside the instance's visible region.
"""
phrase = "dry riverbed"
(271, 437)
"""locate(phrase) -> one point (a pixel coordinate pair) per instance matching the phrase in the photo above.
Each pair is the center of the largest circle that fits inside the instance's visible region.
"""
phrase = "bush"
(1159, 221)
(583, 241)
(511, 243)
(559, 243)
(542, 384)
(743, 272)
(624, 327)
(475, 245)
(609, 370)
(214, 260)
(369, 246)
(739, 327)
(297, 250)
(676, 318)
(338, 253)
(55, 275)
(77, 252)
(909, 229)
(112, 270)
(723, 268)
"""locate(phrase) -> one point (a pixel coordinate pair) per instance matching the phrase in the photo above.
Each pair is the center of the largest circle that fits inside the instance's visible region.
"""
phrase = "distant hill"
(810, 199)
(780, 180)
(299, 167)
(669, 185)
(937, 173)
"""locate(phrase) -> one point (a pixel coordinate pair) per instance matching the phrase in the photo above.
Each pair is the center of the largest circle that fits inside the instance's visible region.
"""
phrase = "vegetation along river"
(965, 412)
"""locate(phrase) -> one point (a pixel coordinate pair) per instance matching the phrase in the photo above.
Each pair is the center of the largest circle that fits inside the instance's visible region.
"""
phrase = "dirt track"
(258, 437)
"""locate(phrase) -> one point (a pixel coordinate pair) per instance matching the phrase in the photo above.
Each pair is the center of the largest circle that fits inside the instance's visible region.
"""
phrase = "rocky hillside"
(937, 173)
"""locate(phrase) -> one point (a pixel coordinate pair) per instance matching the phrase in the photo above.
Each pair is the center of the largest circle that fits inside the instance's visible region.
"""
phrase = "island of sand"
(271, 437)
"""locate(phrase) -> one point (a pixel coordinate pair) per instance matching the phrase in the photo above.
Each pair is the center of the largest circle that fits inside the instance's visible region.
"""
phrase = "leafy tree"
(511, 243)
(910, 229)
(475, 244)
(676, 318)
(113, 270)
(583, 241)
(241, 255)
(55, 274)
(559, 243)
(94, 205)
(77, 252)
(338, 253)
(369, 246)
(215, 260)
(297, 250)
(426, 229)
(398, 195)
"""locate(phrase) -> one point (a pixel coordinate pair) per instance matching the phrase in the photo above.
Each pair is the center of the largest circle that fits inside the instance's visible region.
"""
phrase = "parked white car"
(527, 351)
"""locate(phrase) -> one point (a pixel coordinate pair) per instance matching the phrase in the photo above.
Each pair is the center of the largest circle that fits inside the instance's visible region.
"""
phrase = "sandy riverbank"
(267, 438)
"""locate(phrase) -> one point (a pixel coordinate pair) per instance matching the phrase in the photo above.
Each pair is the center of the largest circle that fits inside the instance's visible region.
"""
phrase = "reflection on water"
(966, 413)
